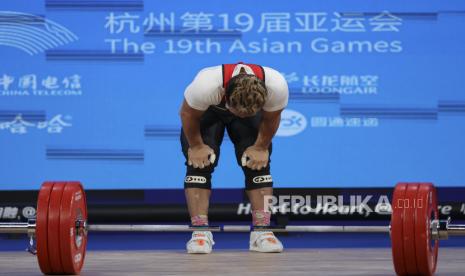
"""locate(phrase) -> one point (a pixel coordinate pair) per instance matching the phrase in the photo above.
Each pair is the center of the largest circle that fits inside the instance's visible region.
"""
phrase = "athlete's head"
(245, 94)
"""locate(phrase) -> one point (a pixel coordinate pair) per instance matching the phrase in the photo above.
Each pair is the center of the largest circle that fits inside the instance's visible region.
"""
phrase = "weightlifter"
(246, 100)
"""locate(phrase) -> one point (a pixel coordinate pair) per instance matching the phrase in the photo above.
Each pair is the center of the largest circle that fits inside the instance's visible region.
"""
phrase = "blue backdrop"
(90, 90)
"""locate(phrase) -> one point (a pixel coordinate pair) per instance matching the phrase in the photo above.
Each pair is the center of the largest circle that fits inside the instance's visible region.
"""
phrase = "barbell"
(60, 228)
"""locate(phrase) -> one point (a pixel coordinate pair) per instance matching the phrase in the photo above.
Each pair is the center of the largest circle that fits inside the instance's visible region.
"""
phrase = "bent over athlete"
(246, 100)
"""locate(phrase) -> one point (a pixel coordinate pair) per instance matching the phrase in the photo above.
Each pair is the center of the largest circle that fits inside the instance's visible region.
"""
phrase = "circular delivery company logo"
(292, 123)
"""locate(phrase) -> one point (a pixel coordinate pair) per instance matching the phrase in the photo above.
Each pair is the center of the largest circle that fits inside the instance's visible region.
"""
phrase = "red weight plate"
(409, 228)
(426, 248)
(41, 227)
(397, 224)
(54, 227)
(73, 241)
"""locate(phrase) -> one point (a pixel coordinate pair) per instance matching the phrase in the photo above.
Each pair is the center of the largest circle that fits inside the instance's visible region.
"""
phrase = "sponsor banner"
(91, 90)
(235, 212)
(154, 206)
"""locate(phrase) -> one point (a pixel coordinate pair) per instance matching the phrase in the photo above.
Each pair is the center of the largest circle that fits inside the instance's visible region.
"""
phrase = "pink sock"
(200, 220)
(261, 218)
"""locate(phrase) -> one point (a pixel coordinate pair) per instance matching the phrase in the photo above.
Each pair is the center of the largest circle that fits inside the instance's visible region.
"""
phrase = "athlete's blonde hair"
(247, 94)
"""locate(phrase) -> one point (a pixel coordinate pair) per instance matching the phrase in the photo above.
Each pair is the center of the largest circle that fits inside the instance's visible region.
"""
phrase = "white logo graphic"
(292, 123)
(9, 212)
(341, 84)
(195, 179)
(262, 179)
(77, 258)
(31, 33)
(352, 84)
(20, 126)
(40, 86)
(324, 121)
(29, 212)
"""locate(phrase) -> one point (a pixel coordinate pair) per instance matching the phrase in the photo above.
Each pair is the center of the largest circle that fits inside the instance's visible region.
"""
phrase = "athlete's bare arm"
(256, 157)
(199, 154)
(190, 118)
(268, 127)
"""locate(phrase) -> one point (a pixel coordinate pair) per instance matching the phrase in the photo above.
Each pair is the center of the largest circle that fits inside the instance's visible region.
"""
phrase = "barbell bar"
(441, 229)
(60, 229)
(29, 228)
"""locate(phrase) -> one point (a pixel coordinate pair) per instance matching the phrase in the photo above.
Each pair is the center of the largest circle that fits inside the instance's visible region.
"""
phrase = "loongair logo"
(292, 123)
(31, 33)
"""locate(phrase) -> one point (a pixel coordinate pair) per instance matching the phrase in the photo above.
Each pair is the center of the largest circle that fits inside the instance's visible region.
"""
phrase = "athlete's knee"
(201, 177)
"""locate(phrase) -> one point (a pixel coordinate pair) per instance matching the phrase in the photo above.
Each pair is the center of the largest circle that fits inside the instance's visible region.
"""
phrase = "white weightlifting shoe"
(200, 243)
(264, 241)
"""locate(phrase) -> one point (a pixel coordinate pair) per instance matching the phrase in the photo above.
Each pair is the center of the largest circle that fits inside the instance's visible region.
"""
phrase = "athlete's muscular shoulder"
(206, 88)
(278, 91)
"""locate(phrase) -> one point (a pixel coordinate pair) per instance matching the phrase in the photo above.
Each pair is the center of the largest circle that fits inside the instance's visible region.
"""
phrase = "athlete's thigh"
(243, 133)
(212, 132)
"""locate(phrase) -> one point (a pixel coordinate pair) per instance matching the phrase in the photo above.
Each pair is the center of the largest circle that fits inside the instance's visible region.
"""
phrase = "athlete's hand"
(200, 156)
(255, 158)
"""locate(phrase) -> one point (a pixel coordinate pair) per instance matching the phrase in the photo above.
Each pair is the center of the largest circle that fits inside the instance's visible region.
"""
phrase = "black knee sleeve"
(198, 178)
(257, 179)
